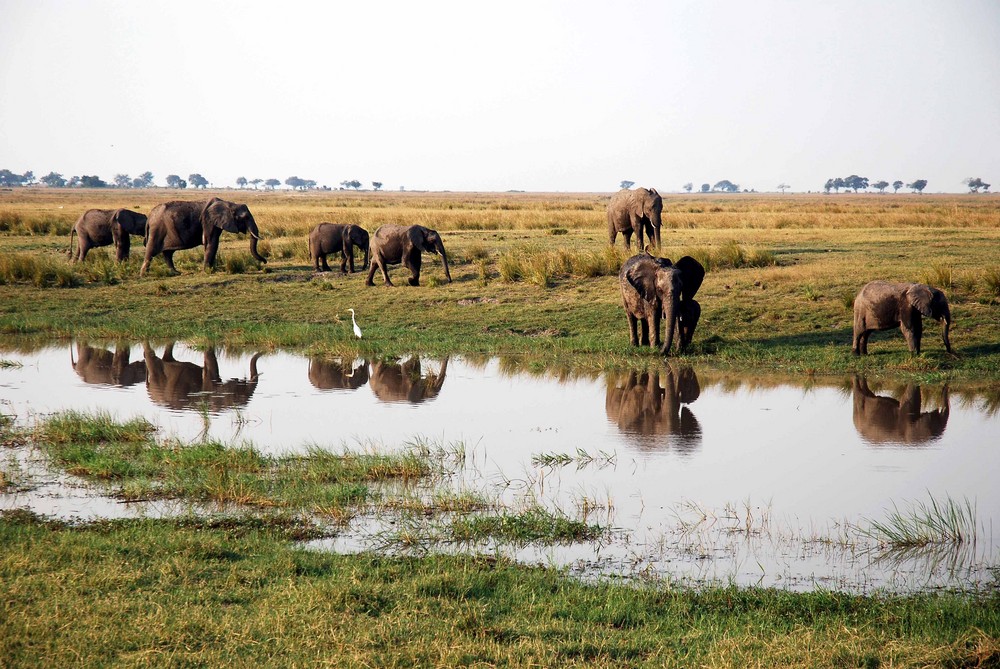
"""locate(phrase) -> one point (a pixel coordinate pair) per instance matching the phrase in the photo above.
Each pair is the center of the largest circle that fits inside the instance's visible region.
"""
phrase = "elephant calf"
(654, 287)
(328, 238)
(394, 244)
(883, 305)
(102, 227)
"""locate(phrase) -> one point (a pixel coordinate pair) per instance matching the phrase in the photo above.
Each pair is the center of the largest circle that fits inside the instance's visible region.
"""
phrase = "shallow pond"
(702, 474)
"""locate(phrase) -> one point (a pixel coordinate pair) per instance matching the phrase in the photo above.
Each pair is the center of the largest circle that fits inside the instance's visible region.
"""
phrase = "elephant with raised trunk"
(177, 225)
(103, 227)
(887, 420)
(654, 287)
(883, 305)
(635, 211)
(185, 385)
(394, 244)
(328, 238)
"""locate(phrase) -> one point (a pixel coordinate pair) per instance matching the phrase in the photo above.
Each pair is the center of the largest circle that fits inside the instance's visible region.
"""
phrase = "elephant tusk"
(254, 235)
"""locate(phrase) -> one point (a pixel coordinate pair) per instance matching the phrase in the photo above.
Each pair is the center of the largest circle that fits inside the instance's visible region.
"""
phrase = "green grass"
(935, 522)
(524, 527)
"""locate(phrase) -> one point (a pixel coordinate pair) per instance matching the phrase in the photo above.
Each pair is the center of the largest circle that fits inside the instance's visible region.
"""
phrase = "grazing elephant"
(394, 244)
(177, 225)
(102, 227)
(184, 385)
(395, 382)
(648, 404)
(102, 367)
(328, 238)
(881, 420)
(652, 287)
(337, 374)
(635, 211)
(882, 305)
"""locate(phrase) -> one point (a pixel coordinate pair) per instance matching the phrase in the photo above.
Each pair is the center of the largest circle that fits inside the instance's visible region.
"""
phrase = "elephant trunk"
(254, 238)
(656, 220)
(945, 328)
(669, 315)
(368, 255)
(444, 258)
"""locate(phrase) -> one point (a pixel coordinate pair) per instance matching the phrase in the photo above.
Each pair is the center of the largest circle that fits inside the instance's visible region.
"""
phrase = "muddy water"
(703, 475)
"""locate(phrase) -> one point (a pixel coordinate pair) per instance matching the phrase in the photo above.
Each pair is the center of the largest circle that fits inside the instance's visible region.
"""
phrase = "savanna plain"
(534, 279)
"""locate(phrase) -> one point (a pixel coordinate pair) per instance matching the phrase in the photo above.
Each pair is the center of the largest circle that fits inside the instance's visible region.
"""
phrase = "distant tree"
(727, 186)
(8, 178)
(705, 188)
(856, 183)
(145, 180)
(782, 187)
(688, 186)
(272, 184)
(377, 185)
(28, 177)
(839, 183)
(975, 183)
(123, 181)
(53, 180)
(919, 185)
(353, 183)
(295, 183)
(73, 182)
(880, 185)
(137, 183)
(256, 182)
(828, 186)
(626, 184)
(241, 182)
(92, 182)
(197, 180)
(174, 181)
(308, 184)
(896, 185)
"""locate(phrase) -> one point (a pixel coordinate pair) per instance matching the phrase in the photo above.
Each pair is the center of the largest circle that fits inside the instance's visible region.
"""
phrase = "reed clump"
(39, 271)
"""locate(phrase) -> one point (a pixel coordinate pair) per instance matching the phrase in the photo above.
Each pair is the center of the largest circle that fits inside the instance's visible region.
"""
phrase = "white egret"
(357, 330)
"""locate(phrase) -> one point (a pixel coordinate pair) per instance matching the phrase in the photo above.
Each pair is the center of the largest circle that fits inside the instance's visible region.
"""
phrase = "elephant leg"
(644, 337)
(123, 247)
(627, 236)
(325, 264)
(84, 248)
(633, 322)
(168, 257)
(856, 340)
(863, 341)
(913, 336)
(413, 264)
(654, 324)
(343, 263)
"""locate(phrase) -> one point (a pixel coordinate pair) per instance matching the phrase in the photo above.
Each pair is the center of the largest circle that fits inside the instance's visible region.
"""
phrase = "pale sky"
(536, 95)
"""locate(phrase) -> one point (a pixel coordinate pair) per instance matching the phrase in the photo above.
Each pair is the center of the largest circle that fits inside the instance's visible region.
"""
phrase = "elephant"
(881, 420)
(328, 238)
(642, 406)
(102, 227)
(184, 385)
(883, 305)
(102, 367)
(392, 244)
(652, 287)
(635, 211)
(405, 382)
(338, 375)
(178, 224)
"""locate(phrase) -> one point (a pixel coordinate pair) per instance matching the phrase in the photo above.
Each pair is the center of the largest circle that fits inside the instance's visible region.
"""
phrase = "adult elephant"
(103, 227)
(406, 382)
(650, 404)
(652, 287)
(887, 420)
(635, 211)
(394, 244)
(883, 305)
(338, 374)
(328, 238)
(181, 385)
(103, 367)
(177, 225)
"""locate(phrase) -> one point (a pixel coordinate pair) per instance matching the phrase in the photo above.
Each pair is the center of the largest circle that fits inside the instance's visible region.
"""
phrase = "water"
(702, 475)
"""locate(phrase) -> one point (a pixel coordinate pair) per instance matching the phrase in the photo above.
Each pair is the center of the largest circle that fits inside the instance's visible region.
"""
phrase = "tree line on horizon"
(145, 180)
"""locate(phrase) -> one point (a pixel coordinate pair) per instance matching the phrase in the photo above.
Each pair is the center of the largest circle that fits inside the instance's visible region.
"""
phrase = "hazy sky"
(535, 95)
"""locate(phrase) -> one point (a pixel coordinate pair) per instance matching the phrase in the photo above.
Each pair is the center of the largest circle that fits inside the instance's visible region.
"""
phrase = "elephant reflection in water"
(185, 385)
(338, 374)
(881, 420)
(649, 404)
(406, 381)
(100, 366)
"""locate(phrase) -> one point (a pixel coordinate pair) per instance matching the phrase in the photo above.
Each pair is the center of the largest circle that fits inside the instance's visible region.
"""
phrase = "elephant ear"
(642, 277)
(116, 226)
(692, 274)
(920, 297)
(218, 214)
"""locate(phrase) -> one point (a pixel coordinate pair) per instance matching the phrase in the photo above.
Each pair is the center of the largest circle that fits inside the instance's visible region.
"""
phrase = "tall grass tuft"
(940, 276)
(991, 278)
(936, 522)
(731, 255)
(543, 267)
(38, 271)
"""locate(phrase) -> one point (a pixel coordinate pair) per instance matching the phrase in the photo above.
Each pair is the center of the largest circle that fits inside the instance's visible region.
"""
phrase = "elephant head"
(882, 420)
(355, 235)
(393, 244)
(102, 367)
(406, 382)
(650, 404)
(882, 305)
(635, 211)
(338, 374)
(125, 222)
(220, 214)
(185, 385)
(652, 287)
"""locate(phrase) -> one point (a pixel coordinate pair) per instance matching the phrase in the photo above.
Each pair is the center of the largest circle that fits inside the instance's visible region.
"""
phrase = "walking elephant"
(102, 367)
(338, 374)
(883, 305)
(177, 225)
(406, 382)
(103, 227)
(652, 287)
(635, 211)
(394, 244)
(185, 385)
(649, 404)
(328, 238)
(882, 420)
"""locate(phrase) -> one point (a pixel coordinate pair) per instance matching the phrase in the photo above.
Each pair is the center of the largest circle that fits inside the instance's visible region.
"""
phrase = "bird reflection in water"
(648, 407)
